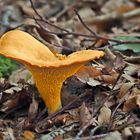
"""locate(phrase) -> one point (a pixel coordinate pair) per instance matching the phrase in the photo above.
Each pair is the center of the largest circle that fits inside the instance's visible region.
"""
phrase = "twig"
(93, 131)
(35, 10)
(118, 42)
(67, 32)
(85, 25)
(120, 74)
(44, 20)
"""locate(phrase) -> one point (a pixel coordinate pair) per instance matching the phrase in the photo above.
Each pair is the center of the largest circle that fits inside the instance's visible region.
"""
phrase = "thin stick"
(35, 10)
(85, 25)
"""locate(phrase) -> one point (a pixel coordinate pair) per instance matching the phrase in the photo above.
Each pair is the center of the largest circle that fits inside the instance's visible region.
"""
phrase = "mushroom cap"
(24, 48)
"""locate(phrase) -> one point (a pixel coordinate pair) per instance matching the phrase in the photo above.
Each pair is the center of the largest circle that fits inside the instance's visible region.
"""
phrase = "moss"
(7, 66)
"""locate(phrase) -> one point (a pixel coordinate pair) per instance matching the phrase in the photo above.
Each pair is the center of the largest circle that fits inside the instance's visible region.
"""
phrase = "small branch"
(120, 74)
(32, 5)
(85, 25)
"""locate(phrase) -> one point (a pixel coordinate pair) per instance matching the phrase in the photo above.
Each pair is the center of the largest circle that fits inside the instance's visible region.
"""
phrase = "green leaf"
(123, 47)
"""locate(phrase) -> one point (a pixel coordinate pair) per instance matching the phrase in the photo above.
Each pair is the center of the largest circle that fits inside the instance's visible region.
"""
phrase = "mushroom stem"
(49, 89)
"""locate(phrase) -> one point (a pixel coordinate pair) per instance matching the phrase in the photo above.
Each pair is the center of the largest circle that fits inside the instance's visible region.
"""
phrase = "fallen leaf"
(85, 115)
(133, 101)
(123, 47)
(109, 77)
(88, 71)
(119, 62)
(125, 89)
(104, 116)
(87, 74)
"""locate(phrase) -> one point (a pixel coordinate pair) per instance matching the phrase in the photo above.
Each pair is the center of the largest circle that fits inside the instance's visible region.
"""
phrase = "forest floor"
(102, 100)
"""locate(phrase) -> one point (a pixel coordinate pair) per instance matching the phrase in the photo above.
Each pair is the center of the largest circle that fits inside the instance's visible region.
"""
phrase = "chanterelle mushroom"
(49, 71)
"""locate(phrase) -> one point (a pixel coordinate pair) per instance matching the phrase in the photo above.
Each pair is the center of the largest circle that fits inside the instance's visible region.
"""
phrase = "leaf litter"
(102, 100)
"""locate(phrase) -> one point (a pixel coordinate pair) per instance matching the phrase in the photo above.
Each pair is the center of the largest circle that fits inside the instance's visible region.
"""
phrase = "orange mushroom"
(49, 70)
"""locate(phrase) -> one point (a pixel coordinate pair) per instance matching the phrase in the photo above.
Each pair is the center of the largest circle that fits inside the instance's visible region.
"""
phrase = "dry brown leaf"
(87, 74)
(88, 71)
(125, 89)
(104, 116)
(92, 76)
(110, 77)
(133, 101)
(85, 115)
